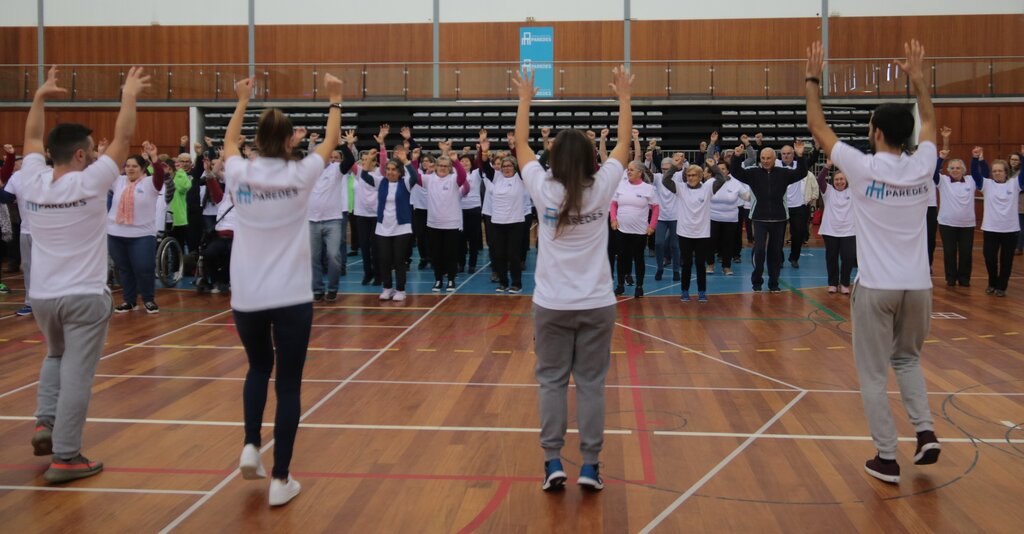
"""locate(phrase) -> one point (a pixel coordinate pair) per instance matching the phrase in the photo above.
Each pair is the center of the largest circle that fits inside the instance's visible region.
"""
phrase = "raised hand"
(102, 146)
(50, 89)
(406, 133)
(208, 141)
(511, 137)
(828, 163)
(978, 152)
(815, 60)
(525, 84)
(485, 144)
(944, 153)
(314, 137)
(914, 64)
(798, 147)
(402, 154)
(545, 132)
(335, 87)
(622, 81)
(945, 131)
(183, 141)
(243, 89)
(483, 134)
(604, 133)
(652, 143)
(349, 137)
(591, 135)
(197, 147)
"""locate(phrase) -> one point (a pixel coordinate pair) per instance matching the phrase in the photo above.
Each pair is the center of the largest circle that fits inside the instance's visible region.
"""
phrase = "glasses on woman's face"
(443, 166)
(509, 167)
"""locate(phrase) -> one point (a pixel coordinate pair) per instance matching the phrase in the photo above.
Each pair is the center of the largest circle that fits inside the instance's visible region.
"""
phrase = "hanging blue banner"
(537, 53)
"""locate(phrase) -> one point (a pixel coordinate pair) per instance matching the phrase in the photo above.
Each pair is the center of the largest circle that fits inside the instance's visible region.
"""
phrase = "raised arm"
(736, 167)
(823, 176)
(8, 168)
(158, 167)
(382, 150)
(523, 153)
(233, 135)
(35, 124)
(823, 135)
(637, 154)
(979, 167)
(914, 67)
(668, 182)
(602, 146)
(622, 85)
(332, 132)
(348, 157)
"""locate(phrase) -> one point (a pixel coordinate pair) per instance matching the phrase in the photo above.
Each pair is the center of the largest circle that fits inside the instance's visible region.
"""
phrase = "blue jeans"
(665, 238)
(344, 242)
(135, 258)
(325, 236)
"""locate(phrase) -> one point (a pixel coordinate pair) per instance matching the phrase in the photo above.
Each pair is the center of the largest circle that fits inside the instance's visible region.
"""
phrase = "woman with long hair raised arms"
(573, 303)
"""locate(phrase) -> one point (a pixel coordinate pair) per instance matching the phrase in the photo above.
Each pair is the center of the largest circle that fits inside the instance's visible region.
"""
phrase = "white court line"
(240, 347)
(699, 353)
(721, 465)
(819, 437)
(333, 426)
(320, 325)
(102, 490)
(130, 347)
(205, 498)
(534, 385)
(1009, 424)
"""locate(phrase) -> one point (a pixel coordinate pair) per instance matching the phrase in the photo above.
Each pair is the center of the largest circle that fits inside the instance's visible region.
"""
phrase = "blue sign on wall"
(537, 53)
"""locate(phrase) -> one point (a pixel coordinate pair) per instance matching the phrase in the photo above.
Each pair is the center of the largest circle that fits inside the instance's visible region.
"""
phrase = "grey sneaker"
(42, 439)
(151, 307)
(66, 470)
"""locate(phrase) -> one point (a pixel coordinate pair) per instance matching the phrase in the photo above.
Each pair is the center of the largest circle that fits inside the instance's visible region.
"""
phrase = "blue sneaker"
(590, 478)
(685, 297)
(554, 475)
(702, 297)
(23, 311)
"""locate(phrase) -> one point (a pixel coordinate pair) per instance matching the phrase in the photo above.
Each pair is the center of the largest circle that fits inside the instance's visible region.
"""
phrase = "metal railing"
(663, 80)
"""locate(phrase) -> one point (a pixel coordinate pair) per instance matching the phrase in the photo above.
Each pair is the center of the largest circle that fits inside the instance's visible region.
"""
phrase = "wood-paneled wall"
(999, 129)
(959, 36)
(722, 39)
(146, 44)
(17, 46)
(163, 126)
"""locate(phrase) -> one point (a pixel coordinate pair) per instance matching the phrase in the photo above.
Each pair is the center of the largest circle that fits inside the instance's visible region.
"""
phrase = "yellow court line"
(959, 339)
(32, 341)
(654, 352)
(426, 350)
(987, 336)
(618, 352)
(464, 350)
(501, 352)
(1010, 333)
(4, 339)
(802, 349)
(931, 341)
(765, 350)
(370, 308)
(837, 347)
(728, 350)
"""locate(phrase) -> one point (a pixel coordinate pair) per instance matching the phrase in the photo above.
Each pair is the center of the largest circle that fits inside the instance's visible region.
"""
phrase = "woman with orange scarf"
(131, 229)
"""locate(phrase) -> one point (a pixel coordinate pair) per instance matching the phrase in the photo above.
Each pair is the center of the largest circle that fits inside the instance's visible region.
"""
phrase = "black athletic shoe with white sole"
(928, 448)
(884, 470)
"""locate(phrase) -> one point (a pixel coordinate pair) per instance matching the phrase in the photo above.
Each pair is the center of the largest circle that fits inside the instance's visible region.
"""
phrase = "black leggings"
(286, 329)
(631, 253)
(957, 252)
(505, 249)
(768, 238)
(445, 247)
(391, 252)
(933, 227)
(723, 242)
(217, 255)
(836, 249)
(998, 250)
(798, 230)
(367, 227)
(471, 237)
(419, 232)
(694, 251)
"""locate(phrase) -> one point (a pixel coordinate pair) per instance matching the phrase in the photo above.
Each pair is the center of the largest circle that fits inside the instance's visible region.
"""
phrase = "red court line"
(489, 509)
(633, 352)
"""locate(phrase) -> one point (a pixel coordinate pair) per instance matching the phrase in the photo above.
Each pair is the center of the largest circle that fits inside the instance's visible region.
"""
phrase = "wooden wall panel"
(163, 126)
(147, 44)
(344, 43)
(998, 128)
(959, 36)
(499, 41)
(722, 39)
(17, 45)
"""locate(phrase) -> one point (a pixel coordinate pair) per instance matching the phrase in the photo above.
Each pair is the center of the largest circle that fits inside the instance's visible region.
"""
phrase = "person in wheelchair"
(213, 272)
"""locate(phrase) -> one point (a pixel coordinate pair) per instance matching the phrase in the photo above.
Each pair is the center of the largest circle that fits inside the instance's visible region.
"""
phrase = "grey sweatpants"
(25, 245)
(576, 342)
(889, 328)
(75, 328)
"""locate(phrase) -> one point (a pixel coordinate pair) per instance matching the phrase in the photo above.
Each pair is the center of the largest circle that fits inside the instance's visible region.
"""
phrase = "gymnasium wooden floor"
(738, 415)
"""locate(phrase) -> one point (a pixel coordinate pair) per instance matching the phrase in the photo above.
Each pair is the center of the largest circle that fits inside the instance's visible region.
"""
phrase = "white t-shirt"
(329, 199)
(145, 202)
(487, 205)
(838, 218)
(890, 200)
(635, 202)
(957, 207)
(572, 268)
(1002, 203)
(366, 194)
(444, 196)
(693, 220)
(389, 225)
(795, 195)
(418, 197)
(69, 230)
(750, 197)
(472, 200)
(506, 198)
(667, 200)
(12, 187)
(225, 218)
(725, 204)
(270, 257)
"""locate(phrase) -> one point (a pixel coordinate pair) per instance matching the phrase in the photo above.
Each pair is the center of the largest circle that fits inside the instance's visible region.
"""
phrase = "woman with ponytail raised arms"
(271, 243)
(573, 303)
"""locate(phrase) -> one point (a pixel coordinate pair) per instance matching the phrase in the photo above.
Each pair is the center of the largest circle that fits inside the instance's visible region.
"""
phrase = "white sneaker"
(250, 464)
(387, 294)
(281, 492)
(399, 296)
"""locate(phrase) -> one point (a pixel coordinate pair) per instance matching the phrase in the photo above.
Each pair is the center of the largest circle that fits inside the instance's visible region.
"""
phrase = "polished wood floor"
(738, 415)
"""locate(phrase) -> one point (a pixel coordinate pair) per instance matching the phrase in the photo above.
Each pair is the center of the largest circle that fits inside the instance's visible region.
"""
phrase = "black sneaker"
(658, 274)
(501, 289)
(928, 448)
(676, 276)
(451, 286)
(515, 289)
(366, 280)
(620, 290)
(774, 290)
(317, 297)
(42, 439)
(331, 296)
(554, 475)
(757, 289)
(737, 259)
(66, 470)
(494, 278)
(639, 293)
(884, 470)
(794, 263)
(629, 280)
(437, 287)
(151, 307)
(125, 308)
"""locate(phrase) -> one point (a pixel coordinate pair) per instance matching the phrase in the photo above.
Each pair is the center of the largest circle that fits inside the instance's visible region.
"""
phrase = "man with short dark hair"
(892, 296)
(66, 206)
